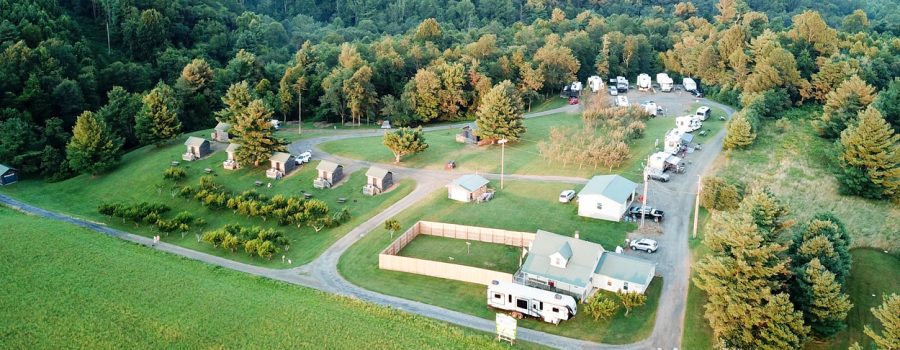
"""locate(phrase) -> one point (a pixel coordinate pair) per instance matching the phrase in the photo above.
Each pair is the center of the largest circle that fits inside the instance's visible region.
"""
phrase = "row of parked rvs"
(644, 83)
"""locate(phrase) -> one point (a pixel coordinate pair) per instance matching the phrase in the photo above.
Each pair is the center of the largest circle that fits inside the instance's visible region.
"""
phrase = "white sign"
(506, 327)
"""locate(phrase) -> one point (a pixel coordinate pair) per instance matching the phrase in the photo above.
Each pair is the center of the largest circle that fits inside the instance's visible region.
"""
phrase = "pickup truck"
(646, 212)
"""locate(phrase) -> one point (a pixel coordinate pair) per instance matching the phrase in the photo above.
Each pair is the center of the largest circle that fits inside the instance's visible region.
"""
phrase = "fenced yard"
(390, 258)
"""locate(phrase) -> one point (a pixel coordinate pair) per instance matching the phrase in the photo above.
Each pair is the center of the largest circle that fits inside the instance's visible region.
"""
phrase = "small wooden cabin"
(197, 147)
(330, 173)
(378, 180)
(220, 133)
(282, 164)
(231, 163)
(8, 176)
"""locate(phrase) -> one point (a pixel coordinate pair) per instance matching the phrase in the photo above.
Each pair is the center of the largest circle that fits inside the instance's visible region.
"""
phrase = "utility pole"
(502, 143)
(644, 199)
(299, 112)
(697, 205)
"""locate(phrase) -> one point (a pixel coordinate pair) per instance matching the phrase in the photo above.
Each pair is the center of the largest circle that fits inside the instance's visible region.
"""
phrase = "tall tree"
(422, 94)
(405, 141)
(739, 132)
(888, 102)
(500, 114)
(157, 122)
(93, 148)
(889, 316)
(825, 238)
(820, 299)
(257, 140)
(842, 106)
(236, 100)
(360, 94)
(871, 158)
(119, 114)
(195, 88)
(557, 62)
(296, 80)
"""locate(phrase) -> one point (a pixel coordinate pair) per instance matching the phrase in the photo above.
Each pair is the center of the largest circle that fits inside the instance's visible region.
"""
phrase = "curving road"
(322, 273)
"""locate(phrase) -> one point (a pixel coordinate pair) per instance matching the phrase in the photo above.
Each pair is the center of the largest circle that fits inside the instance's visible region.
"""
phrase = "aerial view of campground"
(458, 174)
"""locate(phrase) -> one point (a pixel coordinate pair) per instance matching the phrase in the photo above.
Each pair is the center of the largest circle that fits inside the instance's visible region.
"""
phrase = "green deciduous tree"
(889, 315)
(631, 300)
(157, 121)
(422, 94)
(871, 148)
(360, 94)
(93, 148)
(257, 140)
(119, 113)
(557, 62)
(500, 114)
(600, 307)
(405, 141)
(392, 225)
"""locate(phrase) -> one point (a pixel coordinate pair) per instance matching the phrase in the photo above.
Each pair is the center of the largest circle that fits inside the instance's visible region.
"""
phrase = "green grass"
(522, 206)
(795, 164)
(491, 256)
(139, 178)
(551, 102)
(67, 287)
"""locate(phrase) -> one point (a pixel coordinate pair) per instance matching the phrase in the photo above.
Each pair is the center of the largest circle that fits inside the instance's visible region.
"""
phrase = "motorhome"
(621, 84)
(689, 85)
(676, 140)
(643, 82)
(703, 112)
(688, 123)
(665, 83)
(548, 306)
(622, 101)
(595, 83)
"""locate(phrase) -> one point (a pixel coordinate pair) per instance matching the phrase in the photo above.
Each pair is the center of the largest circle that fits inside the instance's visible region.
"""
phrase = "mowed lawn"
(491, 256)
(139, 178)
(522, 206)
(67, 287)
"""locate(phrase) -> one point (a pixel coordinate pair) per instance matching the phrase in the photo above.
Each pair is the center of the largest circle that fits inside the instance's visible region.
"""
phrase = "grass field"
(139, 178)
(497, 257)
(67, 287)
(795, 165)
(522, 206)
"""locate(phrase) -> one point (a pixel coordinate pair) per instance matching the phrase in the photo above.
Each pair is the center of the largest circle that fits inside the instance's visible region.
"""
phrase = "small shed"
(8, 176)
(467, 135)
(221, 132)
(623, 273)
(606, 197)
(467, 188)
(197, 147)
(231, 163)
(330, 173)
(282, 164)
(378, 180)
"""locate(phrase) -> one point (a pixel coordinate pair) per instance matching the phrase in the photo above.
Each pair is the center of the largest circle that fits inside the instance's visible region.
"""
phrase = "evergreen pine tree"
(819, 297)
(888, 103)
(768, 213)
(824, 238)
(257, 139)
(157, 122)
(236, 100)
(873, 148)
(739, 132)
(842, 106)
(93, 148)
(889, 315)
(500, 114)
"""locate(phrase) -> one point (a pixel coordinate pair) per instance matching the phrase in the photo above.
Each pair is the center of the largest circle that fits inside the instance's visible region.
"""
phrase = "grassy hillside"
(66, 287)
(140, 178)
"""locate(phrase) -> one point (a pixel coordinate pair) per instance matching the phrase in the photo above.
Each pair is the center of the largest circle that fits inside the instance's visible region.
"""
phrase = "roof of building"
(582, 261)
(613, 187)
(327, 166)
(232, 147)
(377, 172)
(194, 141)
(625, 268)
(687, 137)
(4, 169)
(223, 126)
(280, 157)
(470, 182)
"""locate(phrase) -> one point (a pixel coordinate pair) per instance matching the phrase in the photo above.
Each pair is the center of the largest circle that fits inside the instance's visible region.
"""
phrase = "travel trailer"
(548, 306)
(703, 112)
(643, 82)
(688, 123)
(689, 85)
(665, 83)
(651, 108)
(595, 83)
(622, 101)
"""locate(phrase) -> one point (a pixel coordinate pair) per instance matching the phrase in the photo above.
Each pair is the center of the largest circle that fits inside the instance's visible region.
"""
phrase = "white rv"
(651, 108)
(595, 83)
(689, 85)
(548, 306)
(643, 82)
(665, 83)
(621, 84)
(275, 123)
(576, 87)
(622, 101)
(688, 123)
(676, 140)
(703, 112)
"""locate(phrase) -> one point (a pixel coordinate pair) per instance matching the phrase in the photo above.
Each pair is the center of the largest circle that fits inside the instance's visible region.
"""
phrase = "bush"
(600, 307)
(174, 173)
(718, 194)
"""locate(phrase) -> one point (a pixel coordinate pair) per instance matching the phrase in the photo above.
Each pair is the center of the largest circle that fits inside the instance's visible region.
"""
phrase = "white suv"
(645, 244)
(566, 196)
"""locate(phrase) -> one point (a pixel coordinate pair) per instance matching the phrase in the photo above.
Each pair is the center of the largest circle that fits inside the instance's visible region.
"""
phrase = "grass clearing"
(522, 206)
(68, 287)
(795, 164)
(139, 178)
(497, 257)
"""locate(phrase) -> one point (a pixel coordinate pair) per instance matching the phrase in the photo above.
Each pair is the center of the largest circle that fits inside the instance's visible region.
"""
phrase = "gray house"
(220, 133)
(467, 188)
(197, 148)
(606, 197)
(378, 180)
(231, 163)
(330, 173)
(8, 176)
(282, 164)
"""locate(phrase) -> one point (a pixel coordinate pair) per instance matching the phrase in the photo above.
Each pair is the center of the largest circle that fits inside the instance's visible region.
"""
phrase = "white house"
(467, 188)
(580, 268)
(606, 197)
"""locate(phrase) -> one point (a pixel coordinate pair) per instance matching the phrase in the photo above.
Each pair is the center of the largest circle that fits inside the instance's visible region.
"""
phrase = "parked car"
(645, 244)
(566, 196)
(613, 91)
(303, 158)
(646, 212)
(573, 100)
(661, 177)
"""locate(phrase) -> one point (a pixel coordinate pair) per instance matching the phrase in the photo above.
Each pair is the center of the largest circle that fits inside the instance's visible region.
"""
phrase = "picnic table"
(307, 195)
(342, 200)
(175, 163)
(704, 132)
(258, 183)
(207, 170)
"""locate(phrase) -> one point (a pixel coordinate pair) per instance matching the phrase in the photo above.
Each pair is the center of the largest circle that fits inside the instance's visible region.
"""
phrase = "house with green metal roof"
(467, 188)
(580, 268)
(8, 176)
(606, 197)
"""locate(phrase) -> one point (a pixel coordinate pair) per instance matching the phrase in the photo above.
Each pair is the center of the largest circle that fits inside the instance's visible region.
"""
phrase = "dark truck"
(646, 212)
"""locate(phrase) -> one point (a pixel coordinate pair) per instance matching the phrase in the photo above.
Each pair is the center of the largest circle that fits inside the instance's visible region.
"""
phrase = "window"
(625, 285)
(522, 304)
(510, 298)
(498, 296)
(609, 283)
(599, 205)
(556, 310)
